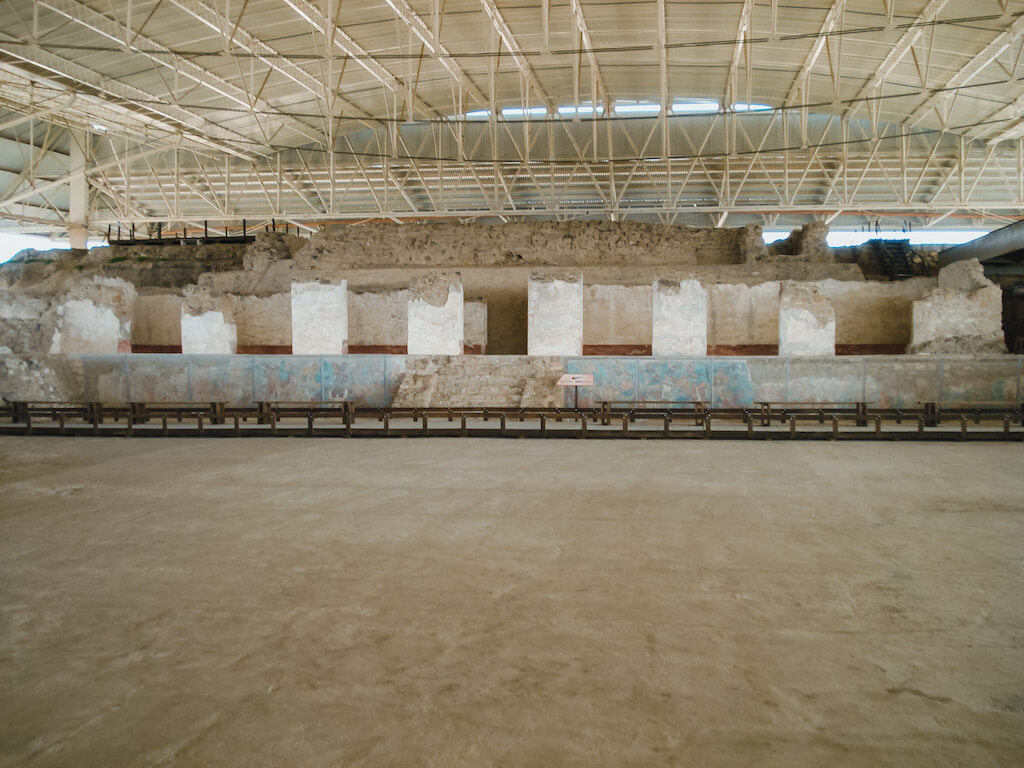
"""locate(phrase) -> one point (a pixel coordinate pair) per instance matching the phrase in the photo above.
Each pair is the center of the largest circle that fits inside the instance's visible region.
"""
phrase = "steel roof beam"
(144, 106)
(588, 45)
(514, 49)
(972, 68)
(118, 32)
(831, 22)
(267, 55)
(433, 43)
(899, 50)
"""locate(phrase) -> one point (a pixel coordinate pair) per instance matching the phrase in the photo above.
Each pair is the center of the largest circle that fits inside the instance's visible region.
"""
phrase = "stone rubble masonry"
(807, 322)
(680, 319)
(555, 314)
(445, 245)
(475, 335)
(26, 324)
(437, 319)
(962, 316)
(319, 318)
(808, 243)
(207, 333)
(507, 381)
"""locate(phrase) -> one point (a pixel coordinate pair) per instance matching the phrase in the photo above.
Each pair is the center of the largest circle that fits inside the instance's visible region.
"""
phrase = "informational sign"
(576, 380)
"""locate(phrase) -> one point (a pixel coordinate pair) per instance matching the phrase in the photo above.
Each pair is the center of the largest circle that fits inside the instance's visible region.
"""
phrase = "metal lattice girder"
(509, 41)
(170, 118)
(886, 178)
(899, 50)
(832, 19)
(970, 70)
(434, 45)
(348, 46)
(269, 56)
(119, 33)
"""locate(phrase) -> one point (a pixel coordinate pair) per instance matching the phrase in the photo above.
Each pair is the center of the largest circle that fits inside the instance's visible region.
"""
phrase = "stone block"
(963, 316)
(319, 318)
(807, 322)
(437, 319)
(555, 314)
(680, 319)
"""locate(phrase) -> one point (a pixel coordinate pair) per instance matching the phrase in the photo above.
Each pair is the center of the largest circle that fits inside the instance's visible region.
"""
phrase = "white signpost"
(576, 380)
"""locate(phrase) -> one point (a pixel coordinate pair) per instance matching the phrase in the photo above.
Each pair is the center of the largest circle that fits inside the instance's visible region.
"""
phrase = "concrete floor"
(485, 602)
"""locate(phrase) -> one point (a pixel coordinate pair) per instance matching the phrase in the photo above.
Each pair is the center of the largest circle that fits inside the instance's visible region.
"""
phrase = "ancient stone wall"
(545, 244)
(963, 315)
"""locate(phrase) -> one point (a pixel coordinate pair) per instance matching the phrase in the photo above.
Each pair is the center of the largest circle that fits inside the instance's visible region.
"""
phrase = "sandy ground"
(516, 603)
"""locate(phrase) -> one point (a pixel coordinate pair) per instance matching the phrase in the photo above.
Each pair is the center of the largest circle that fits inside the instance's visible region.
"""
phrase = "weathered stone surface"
(26, 325)
(964, 315)
(809, 243)
(542, 243)
(319, 314)
(207, 333)
(680, 319)
(968, 275)
(555, 314)
(437, 320)
(807, 322)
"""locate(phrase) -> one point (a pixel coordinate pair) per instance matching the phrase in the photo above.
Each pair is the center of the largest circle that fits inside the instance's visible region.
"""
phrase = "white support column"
(807, 322)
(555, 314)
(680, 319)
(207, 333)
(437, 319)
(319, 319)
(78, 197)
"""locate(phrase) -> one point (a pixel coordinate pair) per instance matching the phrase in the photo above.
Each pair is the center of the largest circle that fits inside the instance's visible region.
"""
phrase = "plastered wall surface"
(319, 317)
(156, 322)
(617, 317)
(263, 323)
(555, 306)
(476, 327)
(374, 380)
(378, 318)
(741, 315)
(437, 320)
(807, 322)
(680, 324)
(86, 328)
(208, 333)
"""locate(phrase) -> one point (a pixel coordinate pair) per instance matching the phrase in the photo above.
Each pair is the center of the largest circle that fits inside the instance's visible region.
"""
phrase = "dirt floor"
(517, 603)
